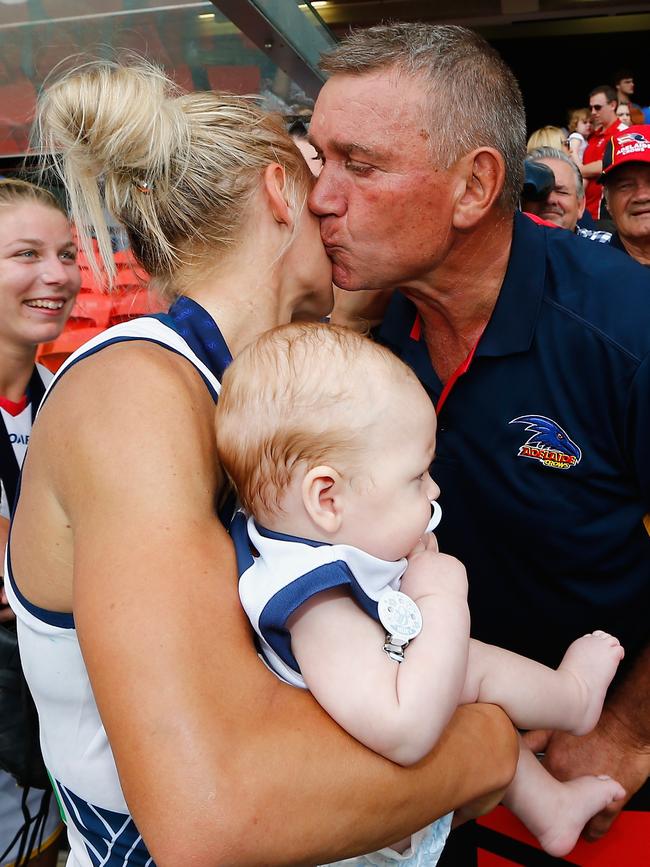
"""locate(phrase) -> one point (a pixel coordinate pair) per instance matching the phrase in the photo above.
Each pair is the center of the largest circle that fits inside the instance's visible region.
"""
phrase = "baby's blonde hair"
(178, 170)
(301, 395)
(576, 115)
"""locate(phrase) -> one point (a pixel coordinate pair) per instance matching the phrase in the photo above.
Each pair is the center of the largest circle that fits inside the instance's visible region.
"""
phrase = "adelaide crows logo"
(548, 443)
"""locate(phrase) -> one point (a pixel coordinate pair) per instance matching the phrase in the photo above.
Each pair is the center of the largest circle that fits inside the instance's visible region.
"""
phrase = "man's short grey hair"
(474, 98)
(547, 153)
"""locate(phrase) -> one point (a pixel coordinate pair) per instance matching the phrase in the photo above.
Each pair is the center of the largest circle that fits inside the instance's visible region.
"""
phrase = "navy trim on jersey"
(199, 330)
(131, 338)
(285, 537)
(276, 612)
(60, 619)
(124, 846)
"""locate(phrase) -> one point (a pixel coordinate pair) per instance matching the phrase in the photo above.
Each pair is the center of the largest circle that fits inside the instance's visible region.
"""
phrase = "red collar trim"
(463, 367)
(13, 407)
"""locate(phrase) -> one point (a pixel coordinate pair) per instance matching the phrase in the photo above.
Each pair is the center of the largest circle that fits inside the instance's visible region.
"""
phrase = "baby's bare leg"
(535, 696)
(557, 812)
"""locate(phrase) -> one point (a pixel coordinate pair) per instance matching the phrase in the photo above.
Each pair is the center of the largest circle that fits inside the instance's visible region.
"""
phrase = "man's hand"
(609, 749)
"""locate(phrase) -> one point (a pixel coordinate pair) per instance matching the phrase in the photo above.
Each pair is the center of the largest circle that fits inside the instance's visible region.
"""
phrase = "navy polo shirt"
(543, 451)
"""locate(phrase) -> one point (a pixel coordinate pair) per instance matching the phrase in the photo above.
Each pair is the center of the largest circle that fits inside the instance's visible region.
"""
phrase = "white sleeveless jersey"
(286, 571)
(74, 743)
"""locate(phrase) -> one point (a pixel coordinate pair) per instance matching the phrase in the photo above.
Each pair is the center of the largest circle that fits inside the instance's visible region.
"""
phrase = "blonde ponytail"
(177, 170)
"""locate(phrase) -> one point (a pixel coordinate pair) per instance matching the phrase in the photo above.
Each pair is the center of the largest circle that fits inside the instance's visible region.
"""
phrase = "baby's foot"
(577, 801)
(592, 660)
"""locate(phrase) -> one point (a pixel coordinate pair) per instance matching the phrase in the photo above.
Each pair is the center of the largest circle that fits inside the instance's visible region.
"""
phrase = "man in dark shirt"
(538, 364)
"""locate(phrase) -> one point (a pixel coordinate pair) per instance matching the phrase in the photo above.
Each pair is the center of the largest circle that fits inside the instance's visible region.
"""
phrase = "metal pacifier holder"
(398, 613)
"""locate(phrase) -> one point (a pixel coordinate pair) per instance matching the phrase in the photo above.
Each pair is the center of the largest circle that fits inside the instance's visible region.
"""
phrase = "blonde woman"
(548, 136)
(167, 739)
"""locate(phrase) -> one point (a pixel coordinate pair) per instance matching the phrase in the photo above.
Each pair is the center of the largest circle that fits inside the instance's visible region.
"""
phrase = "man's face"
(562, 206)
(628, 201)
(385, 208)
(603, 113)
(626, 86)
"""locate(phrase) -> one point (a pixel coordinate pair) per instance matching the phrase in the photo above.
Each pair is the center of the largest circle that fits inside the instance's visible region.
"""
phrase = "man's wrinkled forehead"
(364, 112)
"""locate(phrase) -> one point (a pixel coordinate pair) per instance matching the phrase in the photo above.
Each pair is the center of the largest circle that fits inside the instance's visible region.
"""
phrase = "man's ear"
(581, 207)
(323, 499)
(274, 186)
(481, 175)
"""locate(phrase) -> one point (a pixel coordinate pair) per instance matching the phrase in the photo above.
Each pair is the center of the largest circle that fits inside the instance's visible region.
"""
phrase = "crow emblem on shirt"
(548, 443)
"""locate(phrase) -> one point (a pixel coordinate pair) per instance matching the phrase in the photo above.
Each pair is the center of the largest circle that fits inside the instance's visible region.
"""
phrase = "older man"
(565, 203)
(539, 370)
(626, 178)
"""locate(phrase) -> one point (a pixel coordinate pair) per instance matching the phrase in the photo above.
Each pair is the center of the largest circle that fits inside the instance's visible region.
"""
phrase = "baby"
(328, 439)
(580, 128)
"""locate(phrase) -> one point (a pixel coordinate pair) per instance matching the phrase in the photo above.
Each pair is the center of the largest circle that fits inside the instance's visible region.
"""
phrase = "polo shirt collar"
(512, 325)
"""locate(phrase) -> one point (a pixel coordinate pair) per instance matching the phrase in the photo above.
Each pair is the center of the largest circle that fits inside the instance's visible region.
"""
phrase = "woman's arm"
(399, 710)
(220, 763)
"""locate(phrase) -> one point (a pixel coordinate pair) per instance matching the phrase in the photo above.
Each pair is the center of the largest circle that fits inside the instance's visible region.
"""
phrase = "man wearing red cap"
(626, 179)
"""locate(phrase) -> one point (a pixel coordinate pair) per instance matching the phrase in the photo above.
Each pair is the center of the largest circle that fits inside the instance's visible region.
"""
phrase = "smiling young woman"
(39, 281)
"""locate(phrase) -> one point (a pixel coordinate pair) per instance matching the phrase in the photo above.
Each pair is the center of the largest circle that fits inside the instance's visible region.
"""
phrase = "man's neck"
(458, 300)
(639, 250)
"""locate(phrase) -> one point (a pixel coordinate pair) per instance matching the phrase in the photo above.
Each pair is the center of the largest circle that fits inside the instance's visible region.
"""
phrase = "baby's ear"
(322, 498)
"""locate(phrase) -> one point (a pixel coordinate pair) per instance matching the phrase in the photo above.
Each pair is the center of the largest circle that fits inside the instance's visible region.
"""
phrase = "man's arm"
(219, 762)
(592, 170)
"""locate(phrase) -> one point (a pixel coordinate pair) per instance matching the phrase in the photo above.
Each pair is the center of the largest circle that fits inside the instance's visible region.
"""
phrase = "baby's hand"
(427, 542)
(430, 572)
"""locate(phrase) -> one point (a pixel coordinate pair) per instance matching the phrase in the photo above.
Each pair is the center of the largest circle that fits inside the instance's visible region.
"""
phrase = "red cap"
(631, 145)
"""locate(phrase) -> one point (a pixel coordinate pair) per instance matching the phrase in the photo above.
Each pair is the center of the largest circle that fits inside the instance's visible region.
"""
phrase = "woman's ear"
(274, 187)
(323, 498)
(482, 174)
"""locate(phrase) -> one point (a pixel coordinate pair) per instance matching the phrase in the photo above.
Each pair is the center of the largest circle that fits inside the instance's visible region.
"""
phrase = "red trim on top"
(540, 221)
(13, 407)
(463, 367)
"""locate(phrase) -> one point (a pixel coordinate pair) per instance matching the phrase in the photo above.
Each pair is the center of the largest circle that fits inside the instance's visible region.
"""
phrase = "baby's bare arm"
(396, 709)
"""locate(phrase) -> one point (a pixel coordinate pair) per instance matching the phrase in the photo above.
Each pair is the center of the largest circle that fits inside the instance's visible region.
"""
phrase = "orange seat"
(53, 354)
(91, 310)
(134, 304)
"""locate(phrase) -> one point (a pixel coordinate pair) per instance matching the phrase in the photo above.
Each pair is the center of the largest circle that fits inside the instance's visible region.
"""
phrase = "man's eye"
(358, 168)
(27, 254)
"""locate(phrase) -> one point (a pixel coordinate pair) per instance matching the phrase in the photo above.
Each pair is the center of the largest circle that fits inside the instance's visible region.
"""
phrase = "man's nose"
(326, 196)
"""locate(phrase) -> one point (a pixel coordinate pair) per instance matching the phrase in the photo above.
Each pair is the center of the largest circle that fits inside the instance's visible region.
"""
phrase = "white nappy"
(424, 851)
